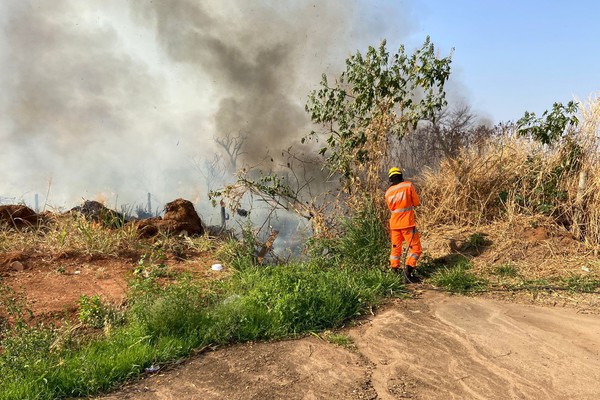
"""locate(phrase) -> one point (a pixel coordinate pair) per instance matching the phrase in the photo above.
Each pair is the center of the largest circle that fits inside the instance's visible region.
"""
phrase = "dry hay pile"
(535, 246)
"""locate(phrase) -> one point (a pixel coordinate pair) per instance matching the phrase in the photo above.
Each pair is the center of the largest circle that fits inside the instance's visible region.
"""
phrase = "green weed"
(239, 253)
(581, 283)
(365, 241)
(506, 270)
(476, 241)
(96, 314)
(458, 279)
(339, 339)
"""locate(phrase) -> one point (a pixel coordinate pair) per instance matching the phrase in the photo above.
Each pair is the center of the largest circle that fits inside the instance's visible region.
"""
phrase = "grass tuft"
(458, 279)
(506, 270)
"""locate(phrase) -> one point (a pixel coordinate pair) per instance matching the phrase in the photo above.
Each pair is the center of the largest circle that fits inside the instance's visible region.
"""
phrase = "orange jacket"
(401, 199)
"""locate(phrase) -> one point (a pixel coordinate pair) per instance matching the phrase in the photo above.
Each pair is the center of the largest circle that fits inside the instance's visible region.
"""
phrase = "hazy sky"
(111, 99)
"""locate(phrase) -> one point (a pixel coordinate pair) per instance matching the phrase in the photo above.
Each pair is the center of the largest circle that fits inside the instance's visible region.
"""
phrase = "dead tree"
(213, 171)
(232, 146)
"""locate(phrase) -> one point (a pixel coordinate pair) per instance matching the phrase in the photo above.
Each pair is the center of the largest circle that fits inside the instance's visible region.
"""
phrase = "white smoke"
(116, 99)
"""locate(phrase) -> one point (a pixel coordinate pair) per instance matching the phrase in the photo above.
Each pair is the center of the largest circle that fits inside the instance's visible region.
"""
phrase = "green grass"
(581, 283)
(339, 339)
(164, 323)
(458, 279)
(506, 270)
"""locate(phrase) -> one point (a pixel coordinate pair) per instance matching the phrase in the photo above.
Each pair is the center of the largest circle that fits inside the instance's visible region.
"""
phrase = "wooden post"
(578, 224)
(267, 246)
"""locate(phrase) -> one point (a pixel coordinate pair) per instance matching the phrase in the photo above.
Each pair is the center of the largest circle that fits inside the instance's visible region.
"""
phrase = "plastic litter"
(151, 369)
(217, 267)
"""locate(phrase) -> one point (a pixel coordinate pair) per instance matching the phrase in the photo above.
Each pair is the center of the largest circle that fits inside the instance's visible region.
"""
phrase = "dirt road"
(432, 347)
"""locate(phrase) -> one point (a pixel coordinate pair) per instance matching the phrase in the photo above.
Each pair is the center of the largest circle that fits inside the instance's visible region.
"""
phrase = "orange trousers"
(413, 239)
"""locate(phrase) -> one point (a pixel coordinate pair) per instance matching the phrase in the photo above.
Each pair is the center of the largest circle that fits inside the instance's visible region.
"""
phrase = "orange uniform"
(401, 199)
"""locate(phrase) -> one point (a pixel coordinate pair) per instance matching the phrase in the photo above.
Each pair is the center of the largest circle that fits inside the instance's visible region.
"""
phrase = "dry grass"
(73, 234)
(69, 233)
(510, 176)
(534, 245)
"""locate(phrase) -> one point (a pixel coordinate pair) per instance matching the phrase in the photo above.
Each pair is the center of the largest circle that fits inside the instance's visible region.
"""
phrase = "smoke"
(119, 98)
(80, 108)
(253, 54)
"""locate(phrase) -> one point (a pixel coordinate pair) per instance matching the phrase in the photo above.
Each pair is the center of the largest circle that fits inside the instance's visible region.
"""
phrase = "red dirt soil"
(52, 287)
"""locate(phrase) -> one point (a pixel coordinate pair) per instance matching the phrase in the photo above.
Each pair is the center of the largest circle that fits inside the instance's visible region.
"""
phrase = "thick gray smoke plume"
(109, 99)
(255, 53)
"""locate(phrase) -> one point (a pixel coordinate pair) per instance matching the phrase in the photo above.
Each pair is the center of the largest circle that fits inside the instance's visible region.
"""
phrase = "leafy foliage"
(552, 125)
(93, 312)
(378, 94)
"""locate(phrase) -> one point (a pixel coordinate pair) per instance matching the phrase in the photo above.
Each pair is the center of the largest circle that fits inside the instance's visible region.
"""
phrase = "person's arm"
(415, 196)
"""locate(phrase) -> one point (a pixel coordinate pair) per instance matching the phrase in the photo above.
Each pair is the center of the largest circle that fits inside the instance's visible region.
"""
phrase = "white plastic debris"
(151, 369)
(585, 268)
(217, 267)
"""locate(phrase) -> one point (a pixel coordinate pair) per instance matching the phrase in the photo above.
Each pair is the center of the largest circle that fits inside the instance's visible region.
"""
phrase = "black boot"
(409, 276)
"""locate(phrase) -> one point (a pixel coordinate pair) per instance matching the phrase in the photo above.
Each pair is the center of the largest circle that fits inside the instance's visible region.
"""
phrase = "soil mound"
(180, 217)
(96, 211)
(17, 216)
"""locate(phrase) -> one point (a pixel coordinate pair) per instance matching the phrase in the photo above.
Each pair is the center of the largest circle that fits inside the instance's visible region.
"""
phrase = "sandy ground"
(433, 346)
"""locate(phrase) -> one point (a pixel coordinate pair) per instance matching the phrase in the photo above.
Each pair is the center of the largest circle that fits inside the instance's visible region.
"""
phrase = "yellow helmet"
(394, 171)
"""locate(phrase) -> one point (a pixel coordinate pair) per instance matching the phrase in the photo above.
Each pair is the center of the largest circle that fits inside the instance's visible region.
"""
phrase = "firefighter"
(401, 198)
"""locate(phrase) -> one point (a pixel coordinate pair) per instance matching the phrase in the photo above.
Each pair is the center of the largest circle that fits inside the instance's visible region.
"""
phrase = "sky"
(109, 99)
(517, 56)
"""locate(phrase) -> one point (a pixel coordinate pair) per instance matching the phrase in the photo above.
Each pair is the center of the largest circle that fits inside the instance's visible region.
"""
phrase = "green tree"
(552, 126)
(379, 96)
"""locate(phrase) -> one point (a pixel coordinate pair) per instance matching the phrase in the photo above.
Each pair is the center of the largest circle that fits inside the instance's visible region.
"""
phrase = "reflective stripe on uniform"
(394, 258)
(416, 257)
(402, 210)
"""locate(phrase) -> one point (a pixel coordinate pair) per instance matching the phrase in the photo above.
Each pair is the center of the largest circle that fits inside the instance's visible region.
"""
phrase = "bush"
(365, 241)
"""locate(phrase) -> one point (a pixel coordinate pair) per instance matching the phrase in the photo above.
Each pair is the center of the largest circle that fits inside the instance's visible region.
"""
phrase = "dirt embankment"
(432, 347)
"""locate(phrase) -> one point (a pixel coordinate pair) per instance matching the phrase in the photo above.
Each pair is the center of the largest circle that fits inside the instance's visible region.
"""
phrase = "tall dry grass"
(509, 175)
(70, 233)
